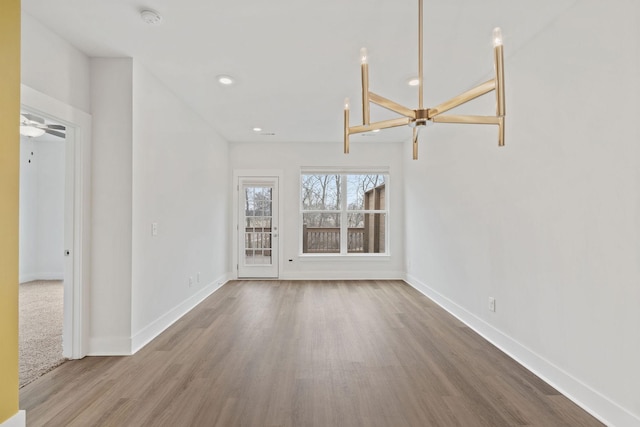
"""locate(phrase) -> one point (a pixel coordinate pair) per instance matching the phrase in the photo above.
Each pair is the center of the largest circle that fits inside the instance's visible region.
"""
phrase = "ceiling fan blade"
(57, 127)
(55, 133)
(33, 118)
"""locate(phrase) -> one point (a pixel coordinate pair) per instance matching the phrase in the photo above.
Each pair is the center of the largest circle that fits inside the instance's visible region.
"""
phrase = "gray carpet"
(41, 314)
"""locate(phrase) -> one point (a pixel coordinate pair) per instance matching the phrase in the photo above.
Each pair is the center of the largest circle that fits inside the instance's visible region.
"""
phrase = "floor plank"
(304, 353)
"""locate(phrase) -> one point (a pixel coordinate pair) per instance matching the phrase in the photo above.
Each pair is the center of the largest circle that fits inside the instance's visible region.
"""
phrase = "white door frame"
(77, 214)
(256, 173)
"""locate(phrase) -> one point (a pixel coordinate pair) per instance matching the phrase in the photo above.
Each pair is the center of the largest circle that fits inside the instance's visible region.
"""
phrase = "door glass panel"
(258, 225)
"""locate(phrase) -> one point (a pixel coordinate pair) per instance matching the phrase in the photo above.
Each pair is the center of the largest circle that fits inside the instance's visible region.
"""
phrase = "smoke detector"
(150, 17)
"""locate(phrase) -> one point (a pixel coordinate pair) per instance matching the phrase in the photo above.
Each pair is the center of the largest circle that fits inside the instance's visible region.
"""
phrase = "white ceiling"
(296, 60)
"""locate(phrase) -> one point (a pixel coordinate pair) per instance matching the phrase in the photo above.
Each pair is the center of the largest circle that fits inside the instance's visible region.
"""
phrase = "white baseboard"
(125, 346)
(18, 420)
(601, 407)
(342, 275)
(154, 329)
(109, 346)
(24, 278)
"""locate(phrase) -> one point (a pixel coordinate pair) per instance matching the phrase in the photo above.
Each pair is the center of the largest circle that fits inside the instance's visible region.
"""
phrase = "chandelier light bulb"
(346, 103)
(363, 55)
(497, 37)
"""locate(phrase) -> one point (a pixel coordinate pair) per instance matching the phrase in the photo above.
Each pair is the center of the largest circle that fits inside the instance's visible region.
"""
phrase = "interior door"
(258, 227)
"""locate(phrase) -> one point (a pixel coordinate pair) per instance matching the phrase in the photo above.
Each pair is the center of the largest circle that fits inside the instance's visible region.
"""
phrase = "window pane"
(321, 233)
(257, 240)
(366, 233)
(366, 192)
(355, 220)
(257, 201)
(258, 223)
(320, 192)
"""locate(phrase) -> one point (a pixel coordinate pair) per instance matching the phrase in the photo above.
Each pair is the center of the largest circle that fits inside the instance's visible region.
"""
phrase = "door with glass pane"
(258, 227)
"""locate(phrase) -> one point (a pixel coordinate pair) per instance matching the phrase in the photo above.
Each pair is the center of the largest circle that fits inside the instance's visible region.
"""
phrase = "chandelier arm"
(463, 98)
(471, 120)
(420, 59)
(390, 105)
(475, 120)
(385, 124)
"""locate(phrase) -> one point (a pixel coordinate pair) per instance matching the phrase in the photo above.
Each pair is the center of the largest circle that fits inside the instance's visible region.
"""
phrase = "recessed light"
(257, 129)
(225, 80)
(413, 81)
(151, 17)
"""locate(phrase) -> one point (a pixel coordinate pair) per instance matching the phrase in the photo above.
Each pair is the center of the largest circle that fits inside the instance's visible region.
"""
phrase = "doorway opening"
(42, 270)
(77, 212)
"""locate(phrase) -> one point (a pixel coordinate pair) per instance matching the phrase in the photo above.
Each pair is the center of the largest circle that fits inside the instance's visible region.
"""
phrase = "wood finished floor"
(304, 353)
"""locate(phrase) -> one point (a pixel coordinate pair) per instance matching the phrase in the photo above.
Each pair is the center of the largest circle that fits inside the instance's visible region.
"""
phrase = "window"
(344, 213)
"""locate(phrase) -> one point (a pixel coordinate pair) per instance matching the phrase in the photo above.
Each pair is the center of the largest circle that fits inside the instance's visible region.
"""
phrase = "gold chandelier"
(421, 116)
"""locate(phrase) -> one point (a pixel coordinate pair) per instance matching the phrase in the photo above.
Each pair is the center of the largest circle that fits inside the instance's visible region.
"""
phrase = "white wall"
(289, 158)
(51, 194)
(112, 164)
(42, 174)
(52, 66)
(550, 224)
(154, 161)
(181, 182)
(28, 210)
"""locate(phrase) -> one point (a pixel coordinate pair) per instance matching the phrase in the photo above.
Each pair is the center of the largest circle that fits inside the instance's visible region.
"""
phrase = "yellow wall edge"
(9, 191)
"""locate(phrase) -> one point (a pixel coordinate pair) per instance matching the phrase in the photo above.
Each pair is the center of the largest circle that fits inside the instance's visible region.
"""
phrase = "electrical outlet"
(154, 228)
(190, 281)
(492, 304)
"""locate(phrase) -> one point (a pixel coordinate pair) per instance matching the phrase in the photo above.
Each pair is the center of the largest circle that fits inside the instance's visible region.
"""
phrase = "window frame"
(344, 212)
